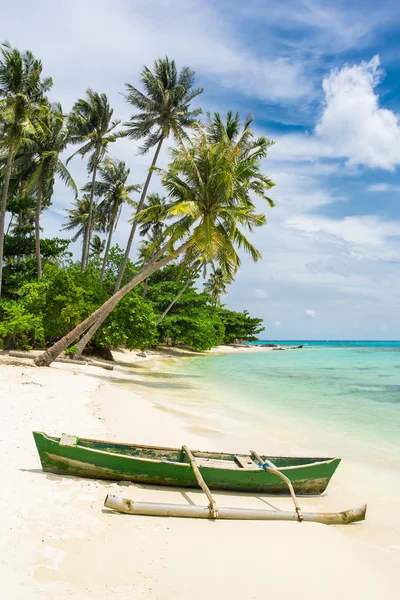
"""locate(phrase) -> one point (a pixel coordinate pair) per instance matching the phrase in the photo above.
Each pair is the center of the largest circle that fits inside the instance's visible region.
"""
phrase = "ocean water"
(347, 391)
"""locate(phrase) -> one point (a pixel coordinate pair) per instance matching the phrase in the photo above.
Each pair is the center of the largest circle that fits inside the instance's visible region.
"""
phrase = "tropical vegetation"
(192, 233)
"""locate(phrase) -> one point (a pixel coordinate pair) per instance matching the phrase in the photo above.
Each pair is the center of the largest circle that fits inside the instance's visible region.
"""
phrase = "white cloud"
(353, 123)
(384, 187)
(362, 232)
(278, 324)
(193, 32)
(353, 126)
(311, 313)
(259, 293)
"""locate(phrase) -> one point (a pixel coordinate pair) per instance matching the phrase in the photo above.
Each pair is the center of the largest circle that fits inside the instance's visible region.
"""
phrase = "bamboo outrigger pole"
(272, 469)
(158, 509)
(212, 504)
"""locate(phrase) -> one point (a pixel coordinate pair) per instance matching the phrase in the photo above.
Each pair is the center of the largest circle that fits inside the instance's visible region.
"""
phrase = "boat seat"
(68, 440)
(245, 462)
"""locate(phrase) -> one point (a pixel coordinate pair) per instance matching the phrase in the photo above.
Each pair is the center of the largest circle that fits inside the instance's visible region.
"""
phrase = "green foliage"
(115, 258)
(63, 297)
(191, 321)
(18, 272)
(132, 324)
(198, 329)
(71, 350)
(49, 307)
(239, 325)
(19, 328)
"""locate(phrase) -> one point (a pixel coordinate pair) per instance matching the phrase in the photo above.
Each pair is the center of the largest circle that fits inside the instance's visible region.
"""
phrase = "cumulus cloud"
(353, 126)
(353, 123)
(278, 324)
(311, 313)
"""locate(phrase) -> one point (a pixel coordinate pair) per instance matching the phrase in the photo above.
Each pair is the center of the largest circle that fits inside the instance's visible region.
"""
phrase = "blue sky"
(321, 79)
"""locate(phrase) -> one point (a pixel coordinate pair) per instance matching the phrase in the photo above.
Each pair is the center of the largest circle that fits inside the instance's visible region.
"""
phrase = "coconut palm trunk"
(135, 223)
(4, 205)
(108, 246)
(37, 231)
(88, 231)
(20, 225)
(171, 304)
(10, 224)
(45, 359)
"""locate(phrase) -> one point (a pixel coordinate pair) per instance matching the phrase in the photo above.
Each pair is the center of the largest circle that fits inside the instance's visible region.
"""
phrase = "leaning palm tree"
(90, 123)
(50, 137)
(21, 89)
(78, 218)
(216, 286)
(114, 174)
(164, 110)
(209, 185)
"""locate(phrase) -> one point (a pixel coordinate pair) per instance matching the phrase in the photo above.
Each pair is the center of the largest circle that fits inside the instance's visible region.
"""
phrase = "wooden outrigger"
(212, 511)
(203, 512)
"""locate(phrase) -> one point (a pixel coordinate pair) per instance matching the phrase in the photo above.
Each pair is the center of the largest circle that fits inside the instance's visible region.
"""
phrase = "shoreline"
(58, 540)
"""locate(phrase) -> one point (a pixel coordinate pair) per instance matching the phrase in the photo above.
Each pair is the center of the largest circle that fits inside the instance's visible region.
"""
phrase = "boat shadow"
(222, 497)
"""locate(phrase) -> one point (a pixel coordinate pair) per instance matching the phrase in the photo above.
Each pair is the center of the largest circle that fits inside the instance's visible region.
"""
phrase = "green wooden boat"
(70, 455)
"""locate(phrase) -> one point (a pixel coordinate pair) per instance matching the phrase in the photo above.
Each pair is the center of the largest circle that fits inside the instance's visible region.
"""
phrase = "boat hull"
(166, 466)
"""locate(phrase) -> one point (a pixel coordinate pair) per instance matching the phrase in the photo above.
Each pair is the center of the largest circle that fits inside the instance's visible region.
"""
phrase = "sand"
(57, 540)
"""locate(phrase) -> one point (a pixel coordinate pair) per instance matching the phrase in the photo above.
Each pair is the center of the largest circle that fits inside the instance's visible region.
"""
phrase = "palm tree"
(218, 129)
(90, 123)
(97, 246)
(209, 185)
(21, 89)
(78, 218)
(50, 137)
(216, 286)
(164, 109)
(114, 174)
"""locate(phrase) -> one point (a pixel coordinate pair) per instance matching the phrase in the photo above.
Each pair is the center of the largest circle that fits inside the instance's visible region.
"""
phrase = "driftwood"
(72, 361)
(268, 466)
(212, 504)
(68, 361)
(105, 366)
(203, 512)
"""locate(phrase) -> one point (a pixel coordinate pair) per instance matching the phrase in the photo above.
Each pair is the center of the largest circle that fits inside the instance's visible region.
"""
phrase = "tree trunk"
(102, 313)
(88, 231)
(83, 342)
(146, 281)
(20, 225)
(37, 231)
(83, 248)
(179, 294)
(145, 284)
(110, 234)
(9, 224)
(135, 223)
(4, 206)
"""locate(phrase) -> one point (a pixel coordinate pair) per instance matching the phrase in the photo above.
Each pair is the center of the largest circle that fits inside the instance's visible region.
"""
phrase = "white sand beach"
(58, 541)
